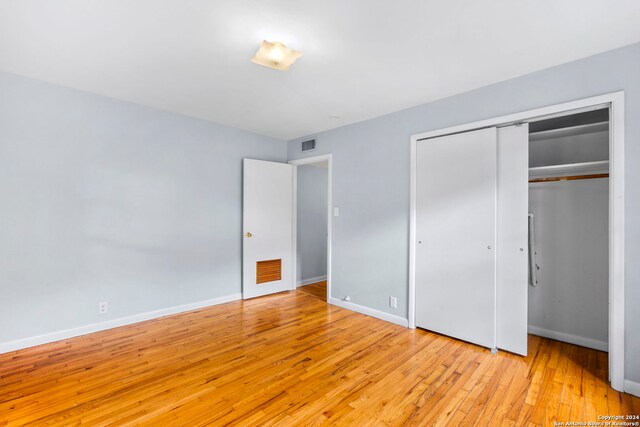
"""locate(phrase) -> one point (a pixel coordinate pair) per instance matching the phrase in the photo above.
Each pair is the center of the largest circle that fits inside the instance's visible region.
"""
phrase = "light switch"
(336, 211)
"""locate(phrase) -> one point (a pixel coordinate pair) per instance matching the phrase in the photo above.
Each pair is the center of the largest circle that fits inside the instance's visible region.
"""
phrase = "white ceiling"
(362, 58)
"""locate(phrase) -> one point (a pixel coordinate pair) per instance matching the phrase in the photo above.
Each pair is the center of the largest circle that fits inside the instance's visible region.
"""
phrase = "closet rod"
(570, 178)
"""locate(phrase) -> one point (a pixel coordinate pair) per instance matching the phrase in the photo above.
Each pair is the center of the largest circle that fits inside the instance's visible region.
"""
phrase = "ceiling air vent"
(309, 145)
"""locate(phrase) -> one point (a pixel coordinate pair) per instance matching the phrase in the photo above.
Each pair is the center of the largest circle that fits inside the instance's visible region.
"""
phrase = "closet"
(471, 236)
(488, 272)
(569, 209)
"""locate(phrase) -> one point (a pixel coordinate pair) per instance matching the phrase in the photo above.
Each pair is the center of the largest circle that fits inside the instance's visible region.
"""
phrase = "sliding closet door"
(456, 232)
(512, 245)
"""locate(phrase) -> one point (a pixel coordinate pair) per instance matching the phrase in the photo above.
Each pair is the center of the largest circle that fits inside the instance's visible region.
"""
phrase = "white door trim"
(307, 161)
(615, 102)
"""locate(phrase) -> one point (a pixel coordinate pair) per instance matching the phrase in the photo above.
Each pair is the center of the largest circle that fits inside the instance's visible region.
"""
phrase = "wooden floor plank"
(291, 359)
(316, 289)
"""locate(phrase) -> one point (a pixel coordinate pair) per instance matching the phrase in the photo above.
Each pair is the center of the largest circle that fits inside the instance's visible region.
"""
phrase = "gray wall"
(312, 222)
(572, 235)
(371, 177)
(102, 200)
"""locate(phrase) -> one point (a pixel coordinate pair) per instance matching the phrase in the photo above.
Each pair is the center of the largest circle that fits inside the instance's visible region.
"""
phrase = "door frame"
(301, 162)
(615, 102)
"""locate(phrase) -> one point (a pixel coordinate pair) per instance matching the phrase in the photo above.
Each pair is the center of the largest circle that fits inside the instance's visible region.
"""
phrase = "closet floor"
(290, 359)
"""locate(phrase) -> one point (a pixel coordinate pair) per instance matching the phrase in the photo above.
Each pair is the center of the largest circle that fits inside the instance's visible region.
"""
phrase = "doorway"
(312, 225)
(568, 228)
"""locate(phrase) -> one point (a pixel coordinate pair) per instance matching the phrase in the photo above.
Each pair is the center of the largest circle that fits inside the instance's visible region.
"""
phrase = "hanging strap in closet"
(533, 267)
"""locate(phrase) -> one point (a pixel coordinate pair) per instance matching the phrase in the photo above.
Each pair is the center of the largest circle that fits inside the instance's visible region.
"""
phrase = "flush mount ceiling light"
(275, 55)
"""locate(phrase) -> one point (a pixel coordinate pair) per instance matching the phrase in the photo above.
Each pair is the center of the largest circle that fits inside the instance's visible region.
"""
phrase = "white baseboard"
(632, 387)
(370, 312)
(8, 346)
(571, 339)
(311, 280)
(629, 386)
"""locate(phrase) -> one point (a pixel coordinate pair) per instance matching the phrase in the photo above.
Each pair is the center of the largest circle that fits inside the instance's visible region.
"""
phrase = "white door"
(456, 234)
(512, 244)
(267, 212)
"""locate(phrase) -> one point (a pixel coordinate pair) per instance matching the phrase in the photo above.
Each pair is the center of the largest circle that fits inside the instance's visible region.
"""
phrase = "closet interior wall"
(569, 290)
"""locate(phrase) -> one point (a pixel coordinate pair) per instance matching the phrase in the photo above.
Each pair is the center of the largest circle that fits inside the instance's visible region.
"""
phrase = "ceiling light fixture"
(275, 55)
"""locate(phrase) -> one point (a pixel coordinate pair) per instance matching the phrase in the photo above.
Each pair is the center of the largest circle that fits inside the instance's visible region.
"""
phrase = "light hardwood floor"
(318, 290)
(290, 359)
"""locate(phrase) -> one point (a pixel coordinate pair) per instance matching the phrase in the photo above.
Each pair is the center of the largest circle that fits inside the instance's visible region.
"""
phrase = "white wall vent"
(309, 145)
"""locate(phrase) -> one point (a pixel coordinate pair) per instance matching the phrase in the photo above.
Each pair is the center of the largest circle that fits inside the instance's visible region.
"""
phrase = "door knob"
(248, 234)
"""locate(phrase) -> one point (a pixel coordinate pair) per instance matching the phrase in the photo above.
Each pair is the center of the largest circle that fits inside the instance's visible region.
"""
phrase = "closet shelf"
(586, 168)
(569, 131)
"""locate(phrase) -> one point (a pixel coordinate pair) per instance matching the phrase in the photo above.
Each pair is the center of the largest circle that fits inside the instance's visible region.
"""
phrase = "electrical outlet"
(103, 307)
(393, 302)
